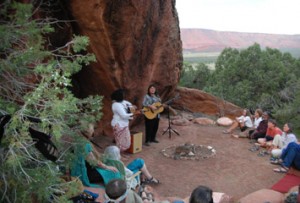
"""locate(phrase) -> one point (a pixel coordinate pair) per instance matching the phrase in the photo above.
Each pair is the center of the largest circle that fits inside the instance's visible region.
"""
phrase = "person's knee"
(276, 153)
(140, 162)
(293, 145)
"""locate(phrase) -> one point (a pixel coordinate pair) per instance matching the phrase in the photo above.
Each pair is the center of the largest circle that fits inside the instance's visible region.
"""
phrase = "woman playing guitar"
(151, 125)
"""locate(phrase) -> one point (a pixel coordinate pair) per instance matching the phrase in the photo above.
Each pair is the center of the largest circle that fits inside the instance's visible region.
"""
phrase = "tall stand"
(170, 129)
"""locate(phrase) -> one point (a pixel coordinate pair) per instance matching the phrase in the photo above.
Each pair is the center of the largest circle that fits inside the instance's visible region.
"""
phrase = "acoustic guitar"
(151, 114)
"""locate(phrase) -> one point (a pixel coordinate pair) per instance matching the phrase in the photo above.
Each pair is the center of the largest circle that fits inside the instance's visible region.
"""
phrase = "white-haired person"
(117, 191)
(138, 164)
(281, 142)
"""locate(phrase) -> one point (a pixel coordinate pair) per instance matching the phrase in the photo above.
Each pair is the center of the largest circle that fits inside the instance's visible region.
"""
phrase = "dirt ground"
(234, 170)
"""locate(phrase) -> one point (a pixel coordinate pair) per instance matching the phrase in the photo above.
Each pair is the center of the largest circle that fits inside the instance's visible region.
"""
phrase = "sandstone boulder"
(181, 122)
(197, 101)
(263, 195)
(204, 121)
(224, 121)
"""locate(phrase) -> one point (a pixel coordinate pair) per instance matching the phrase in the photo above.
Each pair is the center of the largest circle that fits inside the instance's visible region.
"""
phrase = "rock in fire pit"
(189, 151)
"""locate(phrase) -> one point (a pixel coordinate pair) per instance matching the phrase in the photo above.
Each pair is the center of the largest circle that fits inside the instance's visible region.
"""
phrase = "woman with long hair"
(280, 142)
(151, 125)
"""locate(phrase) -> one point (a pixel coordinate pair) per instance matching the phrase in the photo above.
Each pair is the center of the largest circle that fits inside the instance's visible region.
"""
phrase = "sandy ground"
(234, 170)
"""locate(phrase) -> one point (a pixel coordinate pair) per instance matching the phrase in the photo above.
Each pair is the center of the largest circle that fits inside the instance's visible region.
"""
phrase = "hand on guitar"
(153, 107)
(137, 112)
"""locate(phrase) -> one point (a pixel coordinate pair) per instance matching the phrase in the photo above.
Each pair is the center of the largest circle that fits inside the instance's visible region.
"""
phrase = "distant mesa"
(203, 40)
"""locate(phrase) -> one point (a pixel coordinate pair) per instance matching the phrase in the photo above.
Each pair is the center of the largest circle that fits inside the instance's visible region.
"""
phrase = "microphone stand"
(169, 127)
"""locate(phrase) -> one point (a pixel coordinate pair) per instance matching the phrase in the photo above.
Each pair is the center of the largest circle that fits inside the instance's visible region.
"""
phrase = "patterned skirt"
(122, 137)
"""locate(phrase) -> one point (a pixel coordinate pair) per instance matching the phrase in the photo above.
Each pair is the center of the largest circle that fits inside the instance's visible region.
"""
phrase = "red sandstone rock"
(194, 100)
(224, 121)
(263, 195)
(181, 121)
(204, 121)
(136, 43)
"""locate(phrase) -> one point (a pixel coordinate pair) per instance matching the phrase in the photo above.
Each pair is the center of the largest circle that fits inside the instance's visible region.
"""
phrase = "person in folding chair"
(132, 170)
(91, 169)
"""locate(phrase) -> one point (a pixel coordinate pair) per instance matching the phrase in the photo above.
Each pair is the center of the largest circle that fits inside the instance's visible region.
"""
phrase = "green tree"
(35, 82)
(194, 76)
(257, 78)
(250, 77)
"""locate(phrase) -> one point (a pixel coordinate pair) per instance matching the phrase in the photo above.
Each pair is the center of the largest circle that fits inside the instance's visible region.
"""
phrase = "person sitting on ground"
(202, 194)
(113, 152)
(281, 142)
(272, 131)
(290, 157)
(116, 191)
(261, 130)
(257, 119)
(244, 122)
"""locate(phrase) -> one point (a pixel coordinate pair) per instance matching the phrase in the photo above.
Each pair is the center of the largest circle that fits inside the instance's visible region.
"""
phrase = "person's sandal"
(276, 162)
(263, 153)
(281, 170)
(151, 180)
(254, 148)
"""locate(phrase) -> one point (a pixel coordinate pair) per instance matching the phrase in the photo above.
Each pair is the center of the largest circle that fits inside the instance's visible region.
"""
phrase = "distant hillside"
(202, 40)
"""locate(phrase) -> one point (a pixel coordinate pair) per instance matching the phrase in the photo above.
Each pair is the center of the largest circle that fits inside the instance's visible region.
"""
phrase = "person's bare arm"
(92, 159)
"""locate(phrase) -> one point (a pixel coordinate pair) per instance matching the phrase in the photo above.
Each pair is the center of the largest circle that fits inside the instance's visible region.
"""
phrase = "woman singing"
(151, 125)
(120, 121)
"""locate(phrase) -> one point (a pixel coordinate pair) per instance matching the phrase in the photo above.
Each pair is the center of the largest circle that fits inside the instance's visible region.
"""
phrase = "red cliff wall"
(136, 43)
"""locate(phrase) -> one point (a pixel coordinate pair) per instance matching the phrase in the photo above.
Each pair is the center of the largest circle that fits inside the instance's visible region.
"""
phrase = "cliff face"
(136, 43)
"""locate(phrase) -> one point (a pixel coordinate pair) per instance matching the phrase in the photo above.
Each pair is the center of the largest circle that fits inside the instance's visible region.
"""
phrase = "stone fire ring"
(189, 152)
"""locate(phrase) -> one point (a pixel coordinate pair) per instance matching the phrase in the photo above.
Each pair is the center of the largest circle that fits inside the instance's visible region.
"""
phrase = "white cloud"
(258, 16)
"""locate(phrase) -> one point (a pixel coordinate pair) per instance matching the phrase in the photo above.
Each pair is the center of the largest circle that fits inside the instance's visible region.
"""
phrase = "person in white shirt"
(244, 122)
(257, 119)
(120, 120)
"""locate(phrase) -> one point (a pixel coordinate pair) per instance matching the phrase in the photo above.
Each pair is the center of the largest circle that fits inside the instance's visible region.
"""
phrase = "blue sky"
(255, 16)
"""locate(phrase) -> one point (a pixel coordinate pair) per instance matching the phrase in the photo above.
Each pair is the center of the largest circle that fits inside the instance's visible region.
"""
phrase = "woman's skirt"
(122, 137)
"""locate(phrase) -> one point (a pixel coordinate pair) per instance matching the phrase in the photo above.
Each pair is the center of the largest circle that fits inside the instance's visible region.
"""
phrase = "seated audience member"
(113, 152)
(116, 191)
(243, 122)
(290, 157)
(272, 131)
(202, 194)
(260, 131)
(281, 142)
(90, 169)
(257, 119)
(89, 166)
